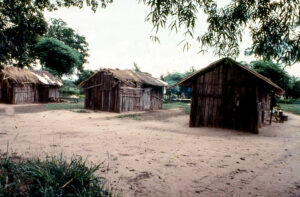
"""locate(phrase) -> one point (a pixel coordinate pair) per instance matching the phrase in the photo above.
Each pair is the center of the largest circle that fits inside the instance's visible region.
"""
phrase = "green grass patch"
(172, 105)
(132, 116)
(82, 111)
(293, 108)
(51, 177)
(65, 106)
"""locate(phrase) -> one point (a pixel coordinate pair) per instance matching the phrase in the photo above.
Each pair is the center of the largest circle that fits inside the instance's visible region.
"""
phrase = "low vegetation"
(65, 106)
(82, 111)
(69, 105)
(182, 105)
(292, 108)
(132, 116)
(50, 177)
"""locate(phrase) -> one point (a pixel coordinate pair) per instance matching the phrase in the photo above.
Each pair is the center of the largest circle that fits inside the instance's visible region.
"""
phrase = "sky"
(118, 36)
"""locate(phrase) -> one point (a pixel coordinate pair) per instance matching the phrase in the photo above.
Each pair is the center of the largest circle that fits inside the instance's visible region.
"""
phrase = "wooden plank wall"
(223, 97)
(131, 99)
(102, 93)
(156, 98)
(264, 109)
(53, 92)
(23, 94)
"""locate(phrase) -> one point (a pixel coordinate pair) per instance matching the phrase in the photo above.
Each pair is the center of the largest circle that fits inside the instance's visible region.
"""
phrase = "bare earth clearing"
(160, 155)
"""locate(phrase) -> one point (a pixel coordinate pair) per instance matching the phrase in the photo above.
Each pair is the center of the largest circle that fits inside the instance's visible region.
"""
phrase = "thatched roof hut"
(19, 85)
(122, 90)
(129, 78)
(22, 76)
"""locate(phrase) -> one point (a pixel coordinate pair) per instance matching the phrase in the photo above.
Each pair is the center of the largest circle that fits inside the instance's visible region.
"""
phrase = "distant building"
(117, 90)
(227, 94)
(19, 86)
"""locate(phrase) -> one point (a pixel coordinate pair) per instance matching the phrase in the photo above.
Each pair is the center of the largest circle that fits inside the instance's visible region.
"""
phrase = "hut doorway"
(147, 98)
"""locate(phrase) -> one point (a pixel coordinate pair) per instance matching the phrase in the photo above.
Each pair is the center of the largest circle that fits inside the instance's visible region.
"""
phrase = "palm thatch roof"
(130, 78)
(46, 78)
(187, 81)
(21, 76)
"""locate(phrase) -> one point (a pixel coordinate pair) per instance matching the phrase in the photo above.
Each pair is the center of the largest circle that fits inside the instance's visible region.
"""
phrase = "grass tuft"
(172, 105)
(50, 177)
(132, 116)
(292, 108)
(82, 111)
(65, 106)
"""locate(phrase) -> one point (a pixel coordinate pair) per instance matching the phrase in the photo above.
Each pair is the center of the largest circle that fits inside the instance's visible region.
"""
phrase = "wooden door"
(147, 98)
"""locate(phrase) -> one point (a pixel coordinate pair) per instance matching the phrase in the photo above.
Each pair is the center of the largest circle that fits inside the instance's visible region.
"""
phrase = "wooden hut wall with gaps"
(227, 94)
(117, 90)
(19, 86)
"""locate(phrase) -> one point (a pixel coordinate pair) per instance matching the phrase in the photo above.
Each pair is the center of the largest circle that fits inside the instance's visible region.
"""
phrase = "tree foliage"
(173, 78)
(58, 29)
(274, 72)
(273, 25)
(295, 89)
(21, 23)
(57, 56)
(83, 75)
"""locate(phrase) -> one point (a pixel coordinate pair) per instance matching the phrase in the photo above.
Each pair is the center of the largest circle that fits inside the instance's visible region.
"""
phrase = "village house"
(227, 94)
(117, 90)
(18, 86)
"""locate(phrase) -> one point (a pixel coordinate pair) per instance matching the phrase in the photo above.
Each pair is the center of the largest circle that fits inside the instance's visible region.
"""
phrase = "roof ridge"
(216, 63)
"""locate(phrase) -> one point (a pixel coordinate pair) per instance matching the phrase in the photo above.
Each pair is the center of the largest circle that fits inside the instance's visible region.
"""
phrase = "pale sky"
(118, 36)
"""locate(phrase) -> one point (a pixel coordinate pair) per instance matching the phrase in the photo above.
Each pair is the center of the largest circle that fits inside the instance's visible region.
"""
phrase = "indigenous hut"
(227, 94)
(27, 86)
(117, 90)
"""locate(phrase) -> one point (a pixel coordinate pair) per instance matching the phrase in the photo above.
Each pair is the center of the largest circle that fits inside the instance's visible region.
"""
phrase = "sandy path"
(160, 155)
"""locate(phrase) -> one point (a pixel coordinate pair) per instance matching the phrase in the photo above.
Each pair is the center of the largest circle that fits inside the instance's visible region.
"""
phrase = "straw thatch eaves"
(22, 76)
(130, 78)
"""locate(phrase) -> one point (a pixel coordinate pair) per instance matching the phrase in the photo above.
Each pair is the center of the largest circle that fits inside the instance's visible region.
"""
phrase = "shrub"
(50, 177)
(132, 116)
(288, 100)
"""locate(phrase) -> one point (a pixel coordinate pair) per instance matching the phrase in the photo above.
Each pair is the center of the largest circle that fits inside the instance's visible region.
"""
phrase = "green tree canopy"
(55, 55)
(173, 78)
(21, 23)
(58, 29)
(273, 25)
(295, 90)
(83, 75)
(274, 72)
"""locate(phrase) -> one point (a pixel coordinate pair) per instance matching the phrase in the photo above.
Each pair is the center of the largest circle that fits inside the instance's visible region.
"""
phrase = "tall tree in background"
(295, 90)
(273, 25)
(21, 24)
(83, 75)
(58, 29)
(175, 77)
(274, 72)
(56, 56)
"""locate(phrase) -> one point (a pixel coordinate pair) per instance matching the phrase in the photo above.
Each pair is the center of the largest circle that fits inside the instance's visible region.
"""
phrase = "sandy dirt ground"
(159, 155)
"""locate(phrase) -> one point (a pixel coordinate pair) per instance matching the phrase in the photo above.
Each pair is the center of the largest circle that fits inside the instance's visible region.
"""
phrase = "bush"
(50, 177)
(288, 100)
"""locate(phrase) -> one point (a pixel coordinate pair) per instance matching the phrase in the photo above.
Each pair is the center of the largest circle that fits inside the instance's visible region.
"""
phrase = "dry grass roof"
(130, 78)
(21, 76)
(211, 66)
